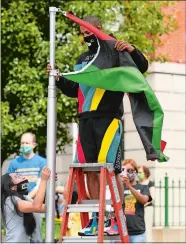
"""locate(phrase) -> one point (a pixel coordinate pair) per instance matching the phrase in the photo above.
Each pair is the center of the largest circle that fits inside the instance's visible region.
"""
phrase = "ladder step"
(89, 239)
(107, 202)
(82, 208)
(92, 166)
(80, 239)
(86, 206)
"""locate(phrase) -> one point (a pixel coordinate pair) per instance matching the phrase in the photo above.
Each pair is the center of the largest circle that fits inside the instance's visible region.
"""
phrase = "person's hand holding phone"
(123, 172)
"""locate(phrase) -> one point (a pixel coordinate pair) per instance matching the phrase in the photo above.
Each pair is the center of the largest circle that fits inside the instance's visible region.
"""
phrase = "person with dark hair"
(136, 196)
(100, 113)
(19, 212)
(29, 164)
(143, 178)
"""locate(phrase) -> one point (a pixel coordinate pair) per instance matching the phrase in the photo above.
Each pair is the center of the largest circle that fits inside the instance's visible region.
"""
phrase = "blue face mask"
(26, 150)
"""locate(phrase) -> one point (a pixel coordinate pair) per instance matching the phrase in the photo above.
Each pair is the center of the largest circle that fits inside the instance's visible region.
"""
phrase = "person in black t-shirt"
(136, 196)
(143, 178)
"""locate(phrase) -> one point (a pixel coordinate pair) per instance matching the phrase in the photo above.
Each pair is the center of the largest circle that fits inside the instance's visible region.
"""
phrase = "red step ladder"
(85, 206)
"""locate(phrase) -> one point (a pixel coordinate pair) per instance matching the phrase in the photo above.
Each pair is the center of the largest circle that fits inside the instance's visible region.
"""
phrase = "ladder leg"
(80, 180)
(70, 185)
(103, 177)
(121, 221)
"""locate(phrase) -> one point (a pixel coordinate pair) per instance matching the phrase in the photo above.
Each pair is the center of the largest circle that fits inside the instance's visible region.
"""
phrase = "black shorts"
(99, 141)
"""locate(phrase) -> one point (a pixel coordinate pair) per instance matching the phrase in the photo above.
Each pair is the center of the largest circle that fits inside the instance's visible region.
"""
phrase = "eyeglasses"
(129, 170)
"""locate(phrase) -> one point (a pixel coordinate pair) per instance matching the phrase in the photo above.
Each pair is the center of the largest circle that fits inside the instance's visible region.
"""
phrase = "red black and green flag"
(109, 70)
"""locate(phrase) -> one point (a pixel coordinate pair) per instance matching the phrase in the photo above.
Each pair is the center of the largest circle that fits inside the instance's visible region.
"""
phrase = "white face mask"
(131, 176)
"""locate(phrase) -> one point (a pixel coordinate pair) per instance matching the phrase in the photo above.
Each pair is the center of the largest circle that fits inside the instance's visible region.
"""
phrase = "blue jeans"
(138, 238)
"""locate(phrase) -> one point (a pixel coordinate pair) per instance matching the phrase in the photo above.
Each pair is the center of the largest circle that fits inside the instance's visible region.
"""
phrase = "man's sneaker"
(107, 225)
(91, 229)
(113, 230)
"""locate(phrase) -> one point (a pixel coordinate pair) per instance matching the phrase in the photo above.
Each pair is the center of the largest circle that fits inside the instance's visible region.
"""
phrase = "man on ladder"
(100, 113)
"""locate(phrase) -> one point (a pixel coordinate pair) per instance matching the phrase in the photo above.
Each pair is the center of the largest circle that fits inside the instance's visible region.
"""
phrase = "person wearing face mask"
(97, 110)
(19, 213)
(28, 163)
(136, 196)
(143, 178)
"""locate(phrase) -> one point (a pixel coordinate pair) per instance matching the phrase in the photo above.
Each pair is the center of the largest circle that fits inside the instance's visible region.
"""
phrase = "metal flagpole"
(51, 134)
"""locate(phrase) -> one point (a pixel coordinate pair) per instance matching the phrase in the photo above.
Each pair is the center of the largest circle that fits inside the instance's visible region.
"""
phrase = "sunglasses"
(129, 170)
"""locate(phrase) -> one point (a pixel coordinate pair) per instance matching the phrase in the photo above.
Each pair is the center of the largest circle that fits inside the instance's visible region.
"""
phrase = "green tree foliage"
(144, 24)
(25, 53)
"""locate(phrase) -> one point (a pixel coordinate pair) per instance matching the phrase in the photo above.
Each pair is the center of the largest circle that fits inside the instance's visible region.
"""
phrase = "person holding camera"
(135, 198)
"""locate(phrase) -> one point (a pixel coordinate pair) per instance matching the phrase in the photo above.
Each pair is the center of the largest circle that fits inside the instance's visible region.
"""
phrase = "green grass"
(56, 229)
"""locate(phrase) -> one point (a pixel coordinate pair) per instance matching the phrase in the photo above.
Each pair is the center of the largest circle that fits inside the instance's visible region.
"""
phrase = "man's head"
(88, 36)
(28, 143)
(93, 20)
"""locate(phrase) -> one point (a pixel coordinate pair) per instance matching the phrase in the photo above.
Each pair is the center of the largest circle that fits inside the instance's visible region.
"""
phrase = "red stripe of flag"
(90, 27)
(163, 145)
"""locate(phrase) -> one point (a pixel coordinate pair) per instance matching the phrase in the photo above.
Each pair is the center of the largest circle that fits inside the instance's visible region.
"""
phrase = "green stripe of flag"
(129, 80)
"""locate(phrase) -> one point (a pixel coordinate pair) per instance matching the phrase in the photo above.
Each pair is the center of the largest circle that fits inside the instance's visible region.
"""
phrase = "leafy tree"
(144, 24)
(25, 53)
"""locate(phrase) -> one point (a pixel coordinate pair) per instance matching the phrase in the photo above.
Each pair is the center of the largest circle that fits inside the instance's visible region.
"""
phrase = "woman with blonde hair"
(135, 197)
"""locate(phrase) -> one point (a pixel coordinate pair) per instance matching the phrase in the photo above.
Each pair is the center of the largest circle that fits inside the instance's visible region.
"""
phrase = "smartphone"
(124, 172)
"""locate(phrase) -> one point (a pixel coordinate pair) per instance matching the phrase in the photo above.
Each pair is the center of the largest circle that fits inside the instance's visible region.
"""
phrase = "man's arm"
(68, 87)
(136, 55)
(140, 60)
